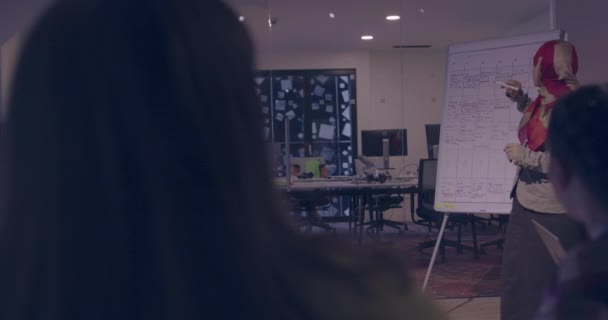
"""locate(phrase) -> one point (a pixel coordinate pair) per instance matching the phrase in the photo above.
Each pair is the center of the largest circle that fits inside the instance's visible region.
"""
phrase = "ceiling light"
(412, 46)
(422, 10)
(272, 21)
(332, 15)
(367, 37)
(241, 18)
(393, 18)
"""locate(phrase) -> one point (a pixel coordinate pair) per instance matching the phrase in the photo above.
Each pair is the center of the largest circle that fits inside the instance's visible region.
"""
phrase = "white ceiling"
(305, 24)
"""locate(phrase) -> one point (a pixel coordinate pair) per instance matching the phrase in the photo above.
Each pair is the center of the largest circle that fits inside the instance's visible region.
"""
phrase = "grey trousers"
(527, 267)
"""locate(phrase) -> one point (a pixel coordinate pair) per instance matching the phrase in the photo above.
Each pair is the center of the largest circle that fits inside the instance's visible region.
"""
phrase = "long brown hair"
(139, 184)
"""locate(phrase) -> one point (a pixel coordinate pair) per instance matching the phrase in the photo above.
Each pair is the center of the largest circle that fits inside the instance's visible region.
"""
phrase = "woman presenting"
(527, 265)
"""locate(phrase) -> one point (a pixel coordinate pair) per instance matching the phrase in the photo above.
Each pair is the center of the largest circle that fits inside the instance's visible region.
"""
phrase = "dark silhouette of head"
(579, 149)
(139, 186)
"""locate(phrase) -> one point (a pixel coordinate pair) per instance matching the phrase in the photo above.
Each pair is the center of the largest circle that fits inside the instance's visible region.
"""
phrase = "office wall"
(9, 53)
(394, 89)
(586, 24)
(406, 92)
(536, 22)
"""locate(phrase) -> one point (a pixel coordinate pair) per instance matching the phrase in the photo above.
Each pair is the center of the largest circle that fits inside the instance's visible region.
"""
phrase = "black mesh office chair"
(381, 204)
(310, 203)
(432, 219)
(500, 242)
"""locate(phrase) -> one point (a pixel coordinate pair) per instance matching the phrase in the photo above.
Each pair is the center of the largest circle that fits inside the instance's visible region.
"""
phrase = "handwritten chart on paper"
(478, 120)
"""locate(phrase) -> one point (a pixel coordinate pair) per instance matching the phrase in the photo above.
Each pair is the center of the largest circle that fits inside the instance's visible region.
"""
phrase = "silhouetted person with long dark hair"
(139, 187)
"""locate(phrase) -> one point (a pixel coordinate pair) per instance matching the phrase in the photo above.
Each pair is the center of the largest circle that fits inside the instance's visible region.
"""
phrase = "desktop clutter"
(371, 172)
(315, 169)
(375, 143)
(309, 168)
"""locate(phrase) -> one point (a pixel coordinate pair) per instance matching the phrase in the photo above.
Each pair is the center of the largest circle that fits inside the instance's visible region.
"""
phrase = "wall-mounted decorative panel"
(321, 107)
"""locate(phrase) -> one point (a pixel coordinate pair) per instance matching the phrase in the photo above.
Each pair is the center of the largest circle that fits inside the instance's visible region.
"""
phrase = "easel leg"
(435, 250)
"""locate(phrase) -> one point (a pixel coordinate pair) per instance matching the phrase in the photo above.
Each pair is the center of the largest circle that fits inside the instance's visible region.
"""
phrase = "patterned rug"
(461, 276)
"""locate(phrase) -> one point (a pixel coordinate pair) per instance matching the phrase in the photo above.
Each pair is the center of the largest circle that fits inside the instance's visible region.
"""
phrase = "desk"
(350, 186)
(342, 184)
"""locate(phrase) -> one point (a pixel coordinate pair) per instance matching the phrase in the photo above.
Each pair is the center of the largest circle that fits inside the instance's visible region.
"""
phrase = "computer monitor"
(371, 142)
(432, 139)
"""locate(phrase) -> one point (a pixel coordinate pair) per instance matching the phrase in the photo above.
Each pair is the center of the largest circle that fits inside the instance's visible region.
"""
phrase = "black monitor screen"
(371, 142)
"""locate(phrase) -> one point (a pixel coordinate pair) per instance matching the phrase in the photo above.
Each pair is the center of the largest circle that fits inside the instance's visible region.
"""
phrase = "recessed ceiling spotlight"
(272, 21)
(421, 10)
(332, 15)
(393, 18)
(367, 37)
(241, 18)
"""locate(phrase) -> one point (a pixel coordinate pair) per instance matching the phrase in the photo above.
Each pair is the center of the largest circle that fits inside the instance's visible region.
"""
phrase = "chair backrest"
(432, 139)
(427, 174)
(427, 180)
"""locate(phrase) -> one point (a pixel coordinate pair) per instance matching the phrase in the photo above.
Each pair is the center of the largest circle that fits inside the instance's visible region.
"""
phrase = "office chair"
(379, 205)
(310, 203)
(431, 218)
(500, 242)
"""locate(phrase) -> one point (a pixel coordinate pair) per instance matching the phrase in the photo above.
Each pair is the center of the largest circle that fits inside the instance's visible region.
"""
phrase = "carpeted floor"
(461, 276)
